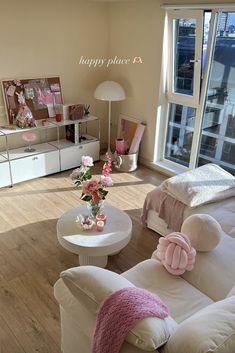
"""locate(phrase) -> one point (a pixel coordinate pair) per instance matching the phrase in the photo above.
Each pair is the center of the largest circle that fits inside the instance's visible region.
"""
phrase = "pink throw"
(176, 253)
(120, 312)
(168, 208)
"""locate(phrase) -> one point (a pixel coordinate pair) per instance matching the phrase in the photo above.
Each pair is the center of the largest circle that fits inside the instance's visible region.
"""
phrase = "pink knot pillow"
(176, 253)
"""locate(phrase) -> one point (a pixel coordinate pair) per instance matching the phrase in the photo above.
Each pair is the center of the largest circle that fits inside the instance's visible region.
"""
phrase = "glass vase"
(94, 208)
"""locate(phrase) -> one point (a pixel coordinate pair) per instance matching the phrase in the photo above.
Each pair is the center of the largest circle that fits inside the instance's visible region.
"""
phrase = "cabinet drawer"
(92, 149)
(35, 166)
(5, 177)
(71, 157)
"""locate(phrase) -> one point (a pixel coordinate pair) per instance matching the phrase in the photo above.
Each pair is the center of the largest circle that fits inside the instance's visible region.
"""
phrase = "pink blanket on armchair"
(168, 208)
(120, 312)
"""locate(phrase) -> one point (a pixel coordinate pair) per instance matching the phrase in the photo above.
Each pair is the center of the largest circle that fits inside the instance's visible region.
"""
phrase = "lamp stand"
(103, 157)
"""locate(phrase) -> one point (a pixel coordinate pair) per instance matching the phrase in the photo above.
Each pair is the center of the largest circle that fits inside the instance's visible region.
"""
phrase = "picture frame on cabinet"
(42, 95)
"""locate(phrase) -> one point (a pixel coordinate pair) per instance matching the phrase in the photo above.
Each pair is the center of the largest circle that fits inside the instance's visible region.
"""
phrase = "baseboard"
(154, 166)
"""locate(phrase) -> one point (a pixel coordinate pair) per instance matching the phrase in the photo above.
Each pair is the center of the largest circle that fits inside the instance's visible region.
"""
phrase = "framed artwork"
(41, 95)
(131, 131)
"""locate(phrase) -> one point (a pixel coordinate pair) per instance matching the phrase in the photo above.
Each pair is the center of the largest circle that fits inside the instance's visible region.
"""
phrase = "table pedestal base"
(100, 261)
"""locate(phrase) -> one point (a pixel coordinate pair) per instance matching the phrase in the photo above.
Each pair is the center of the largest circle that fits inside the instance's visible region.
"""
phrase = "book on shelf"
(72, 133)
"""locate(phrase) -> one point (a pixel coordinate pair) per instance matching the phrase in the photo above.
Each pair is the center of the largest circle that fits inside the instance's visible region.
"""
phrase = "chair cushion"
(90, 285)
(212, 329)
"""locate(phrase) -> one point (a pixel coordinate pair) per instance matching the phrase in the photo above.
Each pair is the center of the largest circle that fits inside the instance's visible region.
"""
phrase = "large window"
(200, 126)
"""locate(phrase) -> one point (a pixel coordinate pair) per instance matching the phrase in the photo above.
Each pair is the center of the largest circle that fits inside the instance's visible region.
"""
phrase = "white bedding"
(199, 186)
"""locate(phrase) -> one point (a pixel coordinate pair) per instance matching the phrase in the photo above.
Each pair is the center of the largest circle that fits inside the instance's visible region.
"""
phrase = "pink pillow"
(176, 253)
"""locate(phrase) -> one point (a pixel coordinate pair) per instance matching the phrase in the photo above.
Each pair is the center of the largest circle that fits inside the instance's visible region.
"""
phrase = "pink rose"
(87, 161)
(96, 197)
(91, 186)
(106, 180)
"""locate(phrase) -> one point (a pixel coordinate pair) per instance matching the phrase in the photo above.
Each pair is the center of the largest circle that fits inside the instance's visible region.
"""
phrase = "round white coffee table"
(93, 247)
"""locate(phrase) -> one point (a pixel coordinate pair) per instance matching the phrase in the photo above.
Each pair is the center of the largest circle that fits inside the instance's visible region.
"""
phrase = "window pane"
(184, 53)
(218, 125)
(206, 28)
(180, 133)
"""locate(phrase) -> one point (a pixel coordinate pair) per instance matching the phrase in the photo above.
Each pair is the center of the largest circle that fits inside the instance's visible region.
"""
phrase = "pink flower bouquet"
(93, 190)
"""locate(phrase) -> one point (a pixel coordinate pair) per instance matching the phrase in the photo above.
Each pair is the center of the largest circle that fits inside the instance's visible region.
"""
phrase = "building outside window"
(200, 97)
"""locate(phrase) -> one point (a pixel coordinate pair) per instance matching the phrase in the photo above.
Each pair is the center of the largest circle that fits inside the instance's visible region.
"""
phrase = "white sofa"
(203, 325)
(201, 302)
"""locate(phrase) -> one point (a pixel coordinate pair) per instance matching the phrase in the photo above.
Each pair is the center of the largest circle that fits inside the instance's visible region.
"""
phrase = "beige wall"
(43, 38)
(136, 30)
(49, 37)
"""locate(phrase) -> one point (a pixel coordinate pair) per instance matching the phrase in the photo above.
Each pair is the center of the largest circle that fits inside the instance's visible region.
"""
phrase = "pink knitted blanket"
(120, 312)
(168, 208)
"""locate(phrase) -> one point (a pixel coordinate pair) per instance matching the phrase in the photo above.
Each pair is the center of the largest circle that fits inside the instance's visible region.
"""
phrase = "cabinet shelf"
(18, 153)
(63, 143)
(52, 151)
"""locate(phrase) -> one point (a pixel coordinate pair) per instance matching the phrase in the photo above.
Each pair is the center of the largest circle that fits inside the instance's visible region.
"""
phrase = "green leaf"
(103, 192)
(86, 198)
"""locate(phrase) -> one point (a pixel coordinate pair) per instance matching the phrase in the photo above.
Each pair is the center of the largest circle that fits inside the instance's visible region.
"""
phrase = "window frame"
(176, 97)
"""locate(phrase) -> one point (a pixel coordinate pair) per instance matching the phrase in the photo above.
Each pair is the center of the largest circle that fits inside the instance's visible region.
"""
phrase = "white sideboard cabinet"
(48, 148)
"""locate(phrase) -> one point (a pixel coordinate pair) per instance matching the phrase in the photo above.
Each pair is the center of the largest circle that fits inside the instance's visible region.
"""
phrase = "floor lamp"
(109, 91)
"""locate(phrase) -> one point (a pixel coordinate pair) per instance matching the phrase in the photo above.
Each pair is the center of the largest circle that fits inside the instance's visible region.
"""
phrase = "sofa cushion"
(90, 285)
(214, 271)
(212, 329)
(182, 299)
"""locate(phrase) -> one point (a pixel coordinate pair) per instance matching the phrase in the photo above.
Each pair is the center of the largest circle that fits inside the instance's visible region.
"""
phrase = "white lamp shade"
(109, 91)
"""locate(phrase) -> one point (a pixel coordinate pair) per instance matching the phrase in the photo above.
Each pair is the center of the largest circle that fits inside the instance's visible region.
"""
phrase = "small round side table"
(91, 246)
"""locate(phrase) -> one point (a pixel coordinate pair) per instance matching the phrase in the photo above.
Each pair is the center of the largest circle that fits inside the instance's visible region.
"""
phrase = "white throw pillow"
(211, 329)
(203, 231)
(91, 285)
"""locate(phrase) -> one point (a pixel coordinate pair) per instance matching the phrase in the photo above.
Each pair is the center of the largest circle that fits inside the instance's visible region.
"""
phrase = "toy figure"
(24, 118)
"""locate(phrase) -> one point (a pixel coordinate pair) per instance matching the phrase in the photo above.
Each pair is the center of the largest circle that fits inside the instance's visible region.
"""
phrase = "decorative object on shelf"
(29, 137)
(109, 91)
(76, 111)
(87, 109)
(42, 96)
(93, 190)
(58, 117)
(85, 222)
(72, 133)
(73, 111)
(24, 118)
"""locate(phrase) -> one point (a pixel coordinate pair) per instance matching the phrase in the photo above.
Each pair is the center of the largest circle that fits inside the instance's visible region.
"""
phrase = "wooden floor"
(31, 258)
